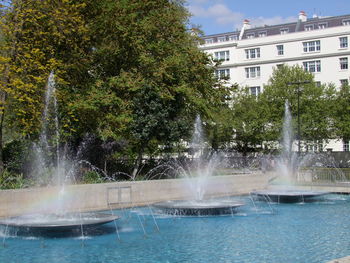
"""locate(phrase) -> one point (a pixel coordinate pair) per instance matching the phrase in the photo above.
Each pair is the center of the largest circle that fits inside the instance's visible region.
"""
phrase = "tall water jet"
(197, 180)
(198, 175)
(48, 164)
(288, 161)
(50, 167)
(55, 215)
(287, 168)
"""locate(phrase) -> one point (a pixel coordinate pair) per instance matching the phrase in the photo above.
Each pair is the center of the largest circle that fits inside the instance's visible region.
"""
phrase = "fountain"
(287, 168)
(197, 179)
(56, 215)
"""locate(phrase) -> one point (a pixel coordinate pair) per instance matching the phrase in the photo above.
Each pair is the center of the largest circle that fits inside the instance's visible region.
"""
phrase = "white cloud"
(221, 15)
(261, 21)
(199, 1)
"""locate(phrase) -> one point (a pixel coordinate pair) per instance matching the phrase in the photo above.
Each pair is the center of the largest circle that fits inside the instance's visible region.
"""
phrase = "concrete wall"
(121, 194)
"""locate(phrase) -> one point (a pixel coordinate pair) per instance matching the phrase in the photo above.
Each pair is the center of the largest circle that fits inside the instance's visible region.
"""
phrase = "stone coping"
(340, 260)
(106, 196)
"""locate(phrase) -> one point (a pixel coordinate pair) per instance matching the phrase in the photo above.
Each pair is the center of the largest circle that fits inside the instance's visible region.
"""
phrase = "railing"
(326, 175)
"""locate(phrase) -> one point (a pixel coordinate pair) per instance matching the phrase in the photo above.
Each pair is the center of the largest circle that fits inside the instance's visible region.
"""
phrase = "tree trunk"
(244, 154)
(137, 164)
(2, 117)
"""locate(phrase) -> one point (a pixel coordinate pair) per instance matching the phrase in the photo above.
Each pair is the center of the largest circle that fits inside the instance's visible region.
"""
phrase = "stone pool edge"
(99, 197)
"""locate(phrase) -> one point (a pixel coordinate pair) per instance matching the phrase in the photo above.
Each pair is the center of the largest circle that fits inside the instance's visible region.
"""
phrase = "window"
(312, 66)
(344, 82)
(232, 37)
(309, 27)
(346, 22)
(255, 91)
(221, 39)
(209, 41)
(314, 146)
(263, 34)
(280, 50)
(343, 42)
(346, 147)
(312, 46)
(252, 72)
(343, 63)
(318, 83)
(252, 53)
(322, 25)
(279, 66)
(250, 35)
(222, 55)
(284, 31)
(222, 73)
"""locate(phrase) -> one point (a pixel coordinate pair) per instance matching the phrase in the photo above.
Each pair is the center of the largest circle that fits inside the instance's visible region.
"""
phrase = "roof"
(298, 26)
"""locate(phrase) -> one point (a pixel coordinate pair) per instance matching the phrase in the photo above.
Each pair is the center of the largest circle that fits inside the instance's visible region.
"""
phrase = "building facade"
(319, 44)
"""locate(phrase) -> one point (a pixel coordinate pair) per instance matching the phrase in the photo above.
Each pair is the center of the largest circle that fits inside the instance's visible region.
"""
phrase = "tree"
(315, 115)
(151, 73)
(341, 117)
(249, 118)
(38, 37)
(219, 128)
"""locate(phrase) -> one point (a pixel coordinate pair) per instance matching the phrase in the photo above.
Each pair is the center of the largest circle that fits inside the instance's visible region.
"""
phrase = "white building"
(319, 44)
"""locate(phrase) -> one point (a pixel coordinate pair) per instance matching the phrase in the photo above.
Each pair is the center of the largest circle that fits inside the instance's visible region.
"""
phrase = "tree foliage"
(292, 83)
(341, 117)
(125, 70)
(37, 37)
(250, 119)
(40, 36)
(258, 121)
(150, 78)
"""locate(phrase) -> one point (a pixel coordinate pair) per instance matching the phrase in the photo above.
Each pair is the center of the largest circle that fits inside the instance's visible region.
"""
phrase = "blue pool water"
(295, 233)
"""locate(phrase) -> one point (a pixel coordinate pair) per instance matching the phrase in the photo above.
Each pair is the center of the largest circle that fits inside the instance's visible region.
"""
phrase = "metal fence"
(327, 175)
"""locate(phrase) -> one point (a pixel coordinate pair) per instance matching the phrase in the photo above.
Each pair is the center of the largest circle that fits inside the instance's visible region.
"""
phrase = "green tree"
(289, 83)
(219, 128)
(148, 67)
(342, 113)
(249, 118)
(38, 37)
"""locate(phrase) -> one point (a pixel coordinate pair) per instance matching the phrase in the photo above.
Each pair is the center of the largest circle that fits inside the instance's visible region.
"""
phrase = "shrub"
(10, 180)
(92, 177)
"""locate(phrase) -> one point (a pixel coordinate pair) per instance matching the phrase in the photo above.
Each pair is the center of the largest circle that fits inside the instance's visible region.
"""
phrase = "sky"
(220, 16)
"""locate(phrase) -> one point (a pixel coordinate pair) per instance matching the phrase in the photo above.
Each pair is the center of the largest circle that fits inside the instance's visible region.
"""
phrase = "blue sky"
(219, 16)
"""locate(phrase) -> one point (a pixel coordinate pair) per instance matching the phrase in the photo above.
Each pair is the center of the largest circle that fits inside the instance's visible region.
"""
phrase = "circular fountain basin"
(58, 222)
(287, 196)
(197, 208)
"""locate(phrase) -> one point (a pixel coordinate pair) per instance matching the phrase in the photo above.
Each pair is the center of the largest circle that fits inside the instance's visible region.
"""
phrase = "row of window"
(222, 39)
(312, 66)
(222, 55)
(283, 31)
(346, 145)
(256, 90)
(253, 53)
(222, 73)
(312, 46)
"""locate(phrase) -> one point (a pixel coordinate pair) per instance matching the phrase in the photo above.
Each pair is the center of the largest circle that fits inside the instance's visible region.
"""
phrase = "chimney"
(302, 16)
(246, 25)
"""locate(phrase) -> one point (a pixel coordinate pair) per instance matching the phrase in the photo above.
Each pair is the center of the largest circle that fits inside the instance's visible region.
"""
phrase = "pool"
(295, 233)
